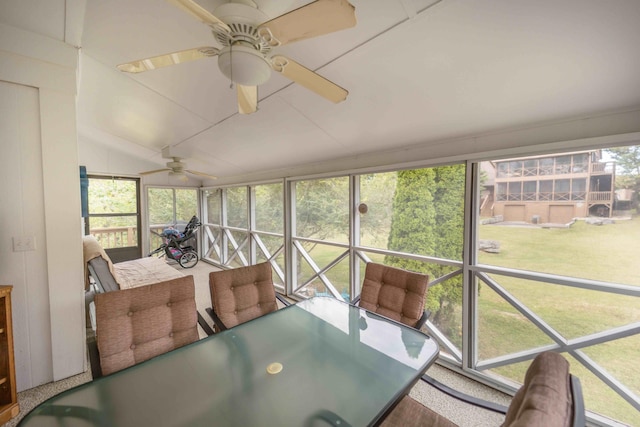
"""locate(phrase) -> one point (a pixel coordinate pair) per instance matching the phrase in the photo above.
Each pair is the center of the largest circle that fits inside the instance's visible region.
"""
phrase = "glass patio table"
(318, 362)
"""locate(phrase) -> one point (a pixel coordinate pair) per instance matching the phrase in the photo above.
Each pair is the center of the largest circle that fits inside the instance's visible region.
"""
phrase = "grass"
(608, 253)
(605, 253)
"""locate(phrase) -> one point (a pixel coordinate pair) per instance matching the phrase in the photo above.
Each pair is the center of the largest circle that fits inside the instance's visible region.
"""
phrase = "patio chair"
(242, 294)
(550, 397)
(134, 325)
(394, 293)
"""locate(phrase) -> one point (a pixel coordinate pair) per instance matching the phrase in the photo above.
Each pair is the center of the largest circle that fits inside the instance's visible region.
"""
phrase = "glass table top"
(318, 362)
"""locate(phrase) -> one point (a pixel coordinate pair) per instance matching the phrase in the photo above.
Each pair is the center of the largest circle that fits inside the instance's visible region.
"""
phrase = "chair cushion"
(410, 413)
(545, 397)
(394, 293)
(242, 294)
(133, 325)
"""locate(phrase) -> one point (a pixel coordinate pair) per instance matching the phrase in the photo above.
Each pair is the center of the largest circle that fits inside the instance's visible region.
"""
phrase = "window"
(546, 166)
(375, 208)
(561, 188)
(214, 206)
(169, 207)
(536, 274)
(114, 215)
(244, 226)
(237, 235)
(546, 190)
(563, 165)
(529, 190)
(565, 282)
(578, 189)
(530, 167)
(501, 191)
(321, 237)
(515, 190)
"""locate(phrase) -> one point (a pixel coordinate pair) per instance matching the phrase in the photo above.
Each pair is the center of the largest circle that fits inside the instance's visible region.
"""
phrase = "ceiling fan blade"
(206, 175)
(312, 20)
(168, 59)
(247, 99)
(309, 79)
(154, 171)
(200, 13)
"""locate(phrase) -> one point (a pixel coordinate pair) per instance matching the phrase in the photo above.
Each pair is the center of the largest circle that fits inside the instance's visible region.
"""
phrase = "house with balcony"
(538, 91)
(554, 189)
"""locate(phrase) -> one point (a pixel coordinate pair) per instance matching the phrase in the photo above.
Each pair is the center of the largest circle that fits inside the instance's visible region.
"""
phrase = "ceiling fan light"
(244, 65)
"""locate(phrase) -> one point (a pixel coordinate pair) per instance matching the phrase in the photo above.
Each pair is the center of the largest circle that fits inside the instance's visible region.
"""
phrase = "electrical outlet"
(24, 243)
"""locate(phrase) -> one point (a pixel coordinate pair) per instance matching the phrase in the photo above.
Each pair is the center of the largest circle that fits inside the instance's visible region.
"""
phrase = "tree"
(628, 168)
(449, 206)
(428, 219)
(322, 208)
(414, 218)
(269, 207)
(376, 192)
(321, 213)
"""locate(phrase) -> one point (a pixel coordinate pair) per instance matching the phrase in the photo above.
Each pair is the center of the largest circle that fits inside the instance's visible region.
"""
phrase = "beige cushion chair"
(242, 294)
(133, 325)
(549, 397)
(394, 293)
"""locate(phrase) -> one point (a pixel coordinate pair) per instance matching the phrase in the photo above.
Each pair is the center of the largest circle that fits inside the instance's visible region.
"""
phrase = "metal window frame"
(466, 359)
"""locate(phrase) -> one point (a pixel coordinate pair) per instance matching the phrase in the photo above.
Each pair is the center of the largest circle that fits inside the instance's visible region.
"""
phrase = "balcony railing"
(549, 196)
(600, 196)
(121, 237)
(115, 237)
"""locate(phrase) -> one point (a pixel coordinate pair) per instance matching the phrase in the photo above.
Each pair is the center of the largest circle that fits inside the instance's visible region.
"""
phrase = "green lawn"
(608, 253)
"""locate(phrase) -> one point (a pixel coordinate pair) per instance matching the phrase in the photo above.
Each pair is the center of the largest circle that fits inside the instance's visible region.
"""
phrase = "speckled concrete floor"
(461, 413)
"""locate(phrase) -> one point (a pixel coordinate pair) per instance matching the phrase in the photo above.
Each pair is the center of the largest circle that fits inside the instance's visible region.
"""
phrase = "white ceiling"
(418, 72)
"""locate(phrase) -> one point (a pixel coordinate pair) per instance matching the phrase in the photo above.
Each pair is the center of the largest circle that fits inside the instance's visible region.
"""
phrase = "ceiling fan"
(248, 37)
(177, 168)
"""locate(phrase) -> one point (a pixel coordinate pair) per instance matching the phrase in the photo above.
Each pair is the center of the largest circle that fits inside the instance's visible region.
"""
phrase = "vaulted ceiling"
(417, 72)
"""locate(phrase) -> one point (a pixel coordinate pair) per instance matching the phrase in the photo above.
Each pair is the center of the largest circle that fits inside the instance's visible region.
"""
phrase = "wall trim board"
(50, 66)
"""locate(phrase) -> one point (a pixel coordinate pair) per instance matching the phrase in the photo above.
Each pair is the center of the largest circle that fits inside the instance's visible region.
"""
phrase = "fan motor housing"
(243, 20)
(244, 65)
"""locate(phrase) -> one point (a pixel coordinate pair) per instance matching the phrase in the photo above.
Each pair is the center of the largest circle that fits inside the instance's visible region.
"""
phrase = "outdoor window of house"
(268, 228)
(214, 204)
(236, 238)
(321, 237)
(169, 207)
(566, 275)
(113, 211)
(409, 219)
(244, 225)
(414, 219)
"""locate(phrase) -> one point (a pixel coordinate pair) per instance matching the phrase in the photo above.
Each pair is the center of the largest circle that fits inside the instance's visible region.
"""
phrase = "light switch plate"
(24, 243)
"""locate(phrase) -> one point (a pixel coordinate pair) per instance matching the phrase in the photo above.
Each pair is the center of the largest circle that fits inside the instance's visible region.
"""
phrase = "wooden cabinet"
(8, 397)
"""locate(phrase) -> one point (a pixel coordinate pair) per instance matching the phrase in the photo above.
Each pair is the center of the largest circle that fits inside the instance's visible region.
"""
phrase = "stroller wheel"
(188, 259)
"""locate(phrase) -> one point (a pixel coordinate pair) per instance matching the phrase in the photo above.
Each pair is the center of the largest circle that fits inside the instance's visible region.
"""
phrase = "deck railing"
(122, 237)
(600, 196)
(115, 237)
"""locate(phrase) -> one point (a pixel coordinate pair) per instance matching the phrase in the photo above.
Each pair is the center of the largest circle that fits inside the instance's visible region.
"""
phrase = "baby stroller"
(175, 244)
